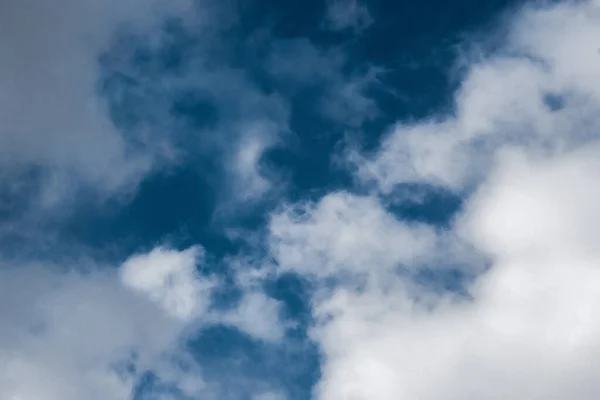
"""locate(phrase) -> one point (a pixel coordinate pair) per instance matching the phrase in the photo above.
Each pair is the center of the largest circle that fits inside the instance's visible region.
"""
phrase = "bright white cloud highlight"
(503, 101)
(529, 168)
(531, 329)
(169, 278)
(345, 233)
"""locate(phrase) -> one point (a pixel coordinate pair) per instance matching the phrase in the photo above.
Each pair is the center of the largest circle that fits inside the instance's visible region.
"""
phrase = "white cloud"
(345, 233)
(87, 331)
(270, 396)
(55, 117)
(502, 102)
(73, 333)
(530, 328)
(64, 334)
(251, 181)
(169, 278)
(257, 315)
(529, 331)
(51, 114)
(226, 118)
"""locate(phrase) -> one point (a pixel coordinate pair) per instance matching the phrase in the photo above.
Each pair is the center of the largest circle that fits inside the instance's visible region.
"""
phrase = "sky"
(299, 200)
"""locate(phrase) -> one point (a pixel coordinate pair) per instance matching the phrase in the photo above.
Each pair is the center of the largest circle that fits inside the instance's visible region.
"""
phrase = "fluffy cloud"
(60, 131)
(345, 233)
(93, 332)
(531, 327)
(522, 147)
(72, 334)
(538, 92)
(51, 113)
(257, 315)
(169, 278)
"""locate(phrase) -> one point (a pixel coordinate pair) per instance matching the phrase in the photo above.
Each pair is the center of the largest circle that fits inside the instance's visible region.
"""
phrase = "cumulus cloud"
(521, 146)
(537, 92)
(345, 233)
(257, 315)
(73, 83)
(79, 334)
(191, 89)
(86, 331)
(169, 278)
(58, 125)
(68, 332)
(52, 116)
(529, 330)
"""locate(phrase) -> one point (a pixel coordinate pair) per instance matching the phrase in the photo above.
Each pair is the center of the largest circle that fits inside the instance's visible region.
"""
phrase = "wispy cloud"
(345, 98)
(347, 14)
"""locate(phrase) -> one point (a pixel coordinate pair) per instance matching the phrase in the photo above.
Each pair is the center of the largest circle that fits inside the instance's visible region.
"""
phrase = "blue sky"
(280, 200)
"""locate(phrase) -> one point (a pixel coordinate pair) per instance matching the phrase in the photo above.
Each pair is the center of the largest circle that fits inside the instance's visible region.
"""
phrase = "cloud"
(83, 112)
(269, 396)
(251, 181)
(536, 92)
(530, 330)
(190, 88)
(521, 146)
(65, 334)
(257, 315)
(52, 116)
(169, 278)
(344, 14)
(95, 106)
(345, 233)
(88, 331)
(300, 63)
